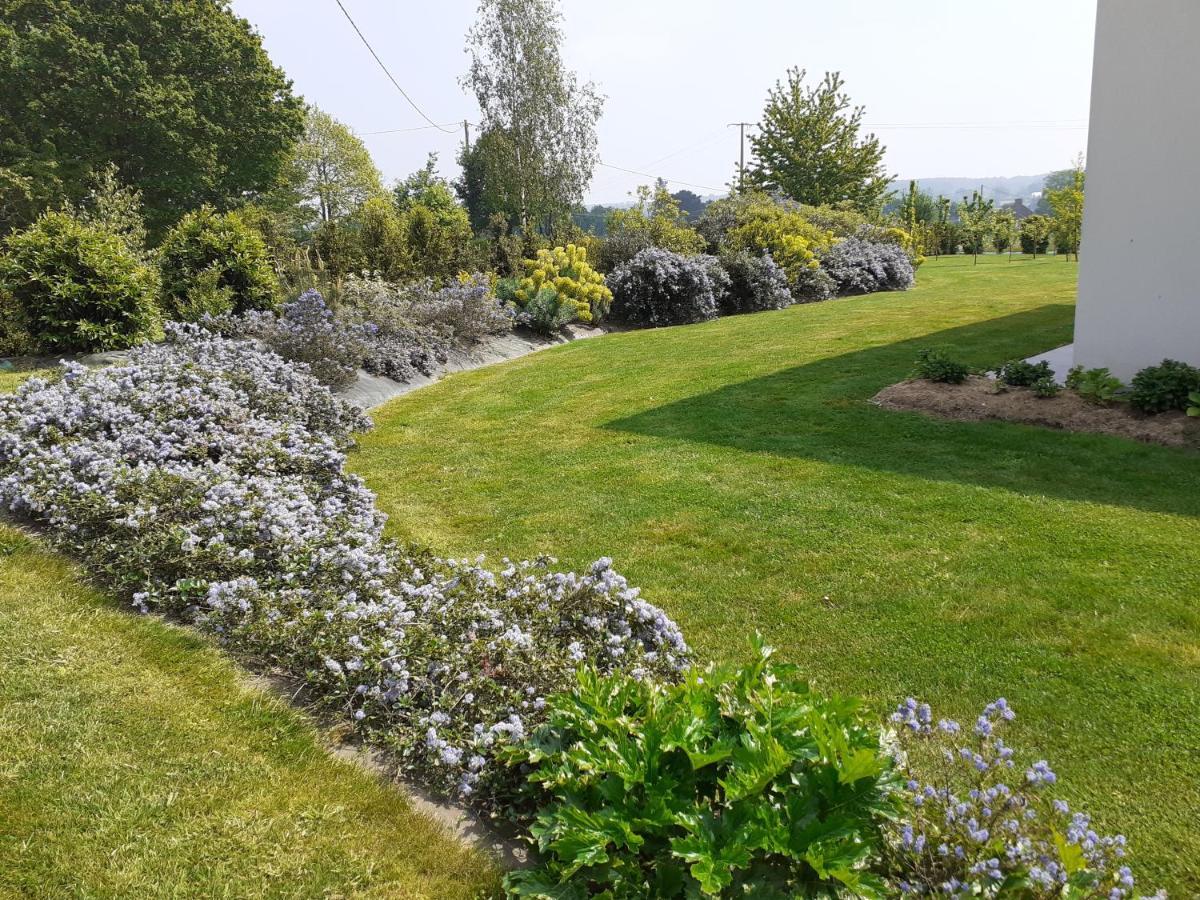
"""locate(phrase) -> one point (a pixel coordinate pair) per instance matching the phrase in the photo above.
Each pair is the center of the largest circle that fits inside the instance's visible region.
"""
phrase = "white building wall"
(1139, 279)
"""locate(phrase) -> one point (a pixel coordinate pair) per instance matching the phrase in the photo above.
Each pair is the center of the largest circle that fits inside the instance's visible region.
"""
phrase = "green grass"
(10, 380)
(135, 761)
(737, 472)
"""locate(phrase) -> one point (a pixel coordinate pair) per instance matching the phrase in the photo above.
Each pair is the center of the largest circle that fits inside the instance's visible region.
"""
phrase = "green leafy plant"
(1094, 385)
(1194, 404)
(75, 287)
(934, 365)
(578, 288)
(1019, 373)
(215, 263)
(735, 782)
(1164, 387)
(1046, 387)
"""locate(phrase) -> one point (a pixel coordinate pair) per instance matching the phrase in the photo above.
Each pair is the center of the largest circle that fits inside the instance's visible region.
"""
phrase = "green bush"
(15, 339)
(1019, 373)
(934, 365)
(215, 263)
(75, 287)
(1094, 385)
(1194, 404)
(1156, 389)
(1046, 387)
(737, 782)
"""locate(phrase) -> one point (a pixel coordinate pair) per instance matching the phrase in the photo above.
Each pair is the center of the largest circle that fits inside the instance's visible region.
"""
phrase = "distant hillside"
(1001, 189)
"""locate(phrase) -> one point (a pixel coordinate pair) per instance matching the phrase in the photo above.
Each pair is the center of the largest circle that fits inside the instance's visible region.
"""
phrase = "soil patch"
(981, 399)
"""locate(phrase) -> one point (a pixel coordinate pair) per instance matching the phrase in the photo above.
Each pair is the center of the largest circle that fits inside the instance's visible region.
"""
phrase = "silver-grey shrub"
(756, 283)
(658, 287)
(205, 479)
(861, 266)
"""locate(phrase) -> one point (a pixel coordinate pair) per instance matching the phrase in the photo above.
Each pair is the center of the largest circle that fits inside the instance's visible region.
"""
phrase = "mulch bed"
(980, 399)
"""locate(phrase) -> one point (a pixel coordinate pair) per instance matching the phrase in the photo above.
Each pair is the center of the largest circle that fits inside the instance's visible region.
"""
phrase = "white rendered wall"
(1139, 278)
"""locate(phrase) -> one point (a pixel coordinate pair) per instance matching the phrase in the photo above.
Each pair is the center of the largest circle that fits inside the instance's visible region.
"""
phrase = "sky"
(952, 87)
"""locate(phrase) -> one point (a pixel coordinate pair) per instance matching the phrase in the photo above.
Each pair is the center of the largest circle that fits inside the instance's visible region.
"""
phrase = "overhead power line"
(391, 78)
(703, 187)
(441, 127)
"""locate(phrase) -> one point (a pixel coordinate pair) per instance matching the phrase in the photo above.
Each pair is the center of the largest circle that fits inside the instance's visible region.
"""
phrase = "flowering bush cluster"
(860, 266)
(305, 331)
(981, 825)
(334, 345)
(756, 283)
(658, 287)
(467, 307)
(205, 479)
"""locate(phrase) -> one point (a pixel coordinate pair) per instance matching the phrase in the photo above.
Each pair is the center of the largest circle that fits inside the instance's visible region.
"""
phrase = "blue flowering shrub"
(981, 824)
(732, 783)
(860, 266)
(658, 287)
(305, 331)
(756, 283)
(204, 479)
(467, 307)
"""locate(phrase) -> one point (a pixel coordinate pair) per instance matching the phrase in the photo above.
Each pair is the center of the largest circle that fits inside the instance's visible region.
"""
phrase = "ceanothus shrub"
(979, 824)
(756, 283)
(860, 266)
(205, 479)
(305, 331)
(658, 287)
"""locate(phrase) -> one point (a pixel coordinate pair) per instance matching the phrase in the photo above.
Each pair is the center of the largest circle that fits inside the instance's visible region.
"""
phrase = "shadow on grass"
(821, 411)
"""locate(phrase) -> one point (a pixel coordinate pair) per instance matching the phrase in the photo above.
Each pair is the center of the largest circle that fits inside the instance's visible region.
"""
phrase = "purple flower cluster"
(205, 479)
(658, 287)
(862, 266)
(975, 824)
(305, 331)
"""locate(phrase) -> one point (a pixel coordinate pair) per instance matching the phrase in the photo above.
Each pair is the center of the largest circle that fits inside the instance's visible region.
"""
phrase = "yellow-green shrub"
(565, 270)
(792, 241)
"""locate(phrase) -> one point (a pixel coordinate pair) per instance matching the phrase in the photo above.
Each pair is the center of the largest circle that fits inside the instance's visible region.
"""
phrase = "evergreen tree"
(807, 147)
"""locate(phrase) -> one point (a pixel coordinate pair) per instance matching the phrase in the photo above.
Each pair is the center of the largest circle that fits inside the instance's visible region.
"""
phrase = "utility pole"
(466, 135)
(741, 126)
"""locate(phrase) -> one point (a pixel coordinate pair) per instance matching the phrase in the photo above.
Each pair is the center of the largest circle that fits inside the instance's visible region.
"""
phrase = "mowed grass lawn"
(738, 473)
(135, 761)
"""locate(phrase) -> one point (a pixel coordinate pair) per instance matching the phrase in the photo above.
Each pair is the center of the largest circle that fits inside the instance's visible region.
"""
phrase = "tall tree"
(329, 173)
(808, 147)
(541, 121)
(178, 94)
(975, 215)
(1067, 205)
(1004, 231)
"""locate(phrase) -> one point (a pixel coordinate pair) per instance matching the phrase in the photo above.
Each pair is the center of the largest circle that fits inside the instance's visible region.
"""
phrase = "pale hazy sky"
(1013, 78)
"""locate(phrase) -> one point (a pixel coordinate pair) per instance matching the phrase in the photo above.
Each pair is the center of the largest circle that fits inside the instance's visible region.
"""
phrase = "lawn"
(737, 472)
(136, 761)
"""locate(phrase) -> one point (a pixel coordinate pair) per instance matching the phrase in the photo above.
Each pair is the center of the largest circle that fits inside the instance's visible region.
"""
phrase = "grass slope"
(737, 472)
(135, 762)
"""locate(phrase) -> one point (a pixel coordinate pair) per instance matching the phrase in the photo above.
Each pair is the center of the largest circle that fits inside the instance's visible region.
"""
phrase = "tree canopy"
(330, 171)
(178, 94)
(538, 147)
(807, 147)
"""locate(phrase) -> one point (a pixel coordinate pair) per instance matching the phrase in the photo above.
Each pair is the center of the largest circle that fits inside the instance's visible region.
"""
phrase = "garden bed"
(978, 399)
